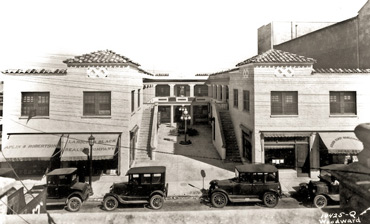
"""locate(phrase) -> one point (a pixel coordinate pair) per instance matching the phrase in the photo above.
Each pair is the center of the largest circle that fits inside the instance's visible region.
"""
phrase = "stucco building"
(289, 113)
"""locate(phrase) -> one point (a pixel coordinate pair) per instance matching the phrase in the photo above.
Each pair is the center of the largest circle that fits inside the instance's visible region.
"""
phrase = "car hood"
(221, 182)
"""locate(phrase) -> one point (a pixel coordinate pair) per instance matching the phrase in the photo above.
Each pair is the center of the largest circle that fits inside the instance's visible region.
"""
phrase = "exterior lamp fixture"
(185, 117)
(91, 143)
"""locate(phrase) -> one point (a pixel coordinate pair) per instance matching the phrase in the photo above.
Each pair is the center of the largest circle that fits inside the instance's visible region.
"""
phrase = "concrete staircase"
(145, 134)
(232, 149)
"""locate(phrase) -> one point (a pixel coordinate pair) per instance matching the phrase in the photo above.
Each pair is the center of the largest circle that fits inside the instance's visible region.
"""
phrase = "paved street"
(185, 204)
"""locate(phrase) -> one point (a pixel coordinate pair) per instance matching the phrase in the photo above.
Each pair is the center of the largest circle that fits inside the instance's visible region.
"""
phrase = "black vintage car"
(145, 185)
(251, 181)
(320, 192)
(63, 188)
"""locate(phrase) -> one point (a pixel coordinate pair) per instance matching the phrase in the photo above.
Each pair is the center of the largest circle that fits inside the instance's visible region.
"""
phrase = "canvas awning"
(285, 134)
(29, 147)
(76, 147)
(341, 142)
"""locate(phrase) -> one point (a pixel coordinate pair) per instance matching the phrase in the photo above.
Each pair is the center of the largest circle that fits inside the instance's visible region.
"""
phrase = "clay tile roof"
(100, 57)
(35, 71)
(277, 56)
(340, 70)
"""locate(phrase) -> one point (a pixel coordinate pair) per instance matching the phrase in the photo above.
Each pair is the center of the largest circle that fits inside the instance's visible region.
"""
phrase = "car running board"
(134, 202)
(239, 199)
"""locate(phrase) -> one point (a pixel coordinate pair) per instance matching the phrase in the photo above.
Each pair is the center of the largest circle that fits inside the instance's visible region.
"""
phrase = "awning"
(285, 134)
(29, 147)
(279, 146)
(76, 147)
(341, 142)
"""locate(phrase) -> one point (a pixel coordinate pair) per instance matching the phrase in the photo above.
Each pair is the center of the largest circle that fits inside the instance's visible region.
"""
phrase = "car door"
(246, 185)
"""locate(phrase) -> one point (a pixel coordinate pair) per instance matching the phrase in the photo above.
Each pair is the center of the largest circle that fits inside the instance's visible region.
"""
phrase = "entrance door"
(303, 160)
(165, 113)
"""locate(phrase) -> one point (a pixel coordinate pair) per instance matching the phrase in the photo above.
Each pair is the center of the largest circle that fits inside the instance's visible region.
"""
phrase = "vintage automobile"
(251, 182)
(63, 188)
(320, 192)
(145, 185)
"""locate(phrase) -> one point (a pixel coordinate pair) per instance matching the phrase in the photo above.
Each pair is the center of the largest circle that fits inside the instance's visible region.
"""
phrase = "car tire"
(270, 199)
(320, 201)
(156, 201)
(218, 199)
(110, 203)
(74, 204)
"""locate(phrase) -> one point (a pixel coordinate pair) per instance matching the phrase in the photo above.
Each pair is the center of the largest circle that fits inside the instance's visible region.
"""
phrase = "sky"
(181, 38)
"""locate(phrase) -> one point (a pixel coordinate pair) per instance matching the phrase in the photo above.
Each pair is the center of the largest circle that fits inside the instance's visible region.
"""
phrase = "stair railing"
(154, 135)
(220, 146)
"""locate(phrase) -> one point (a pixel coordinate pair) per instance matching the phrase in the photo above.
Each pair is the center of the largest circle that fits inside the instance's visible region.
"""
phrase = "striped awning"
(29, 147)
(285, 134)
(76, 147)
(341, 142)
(279, 146)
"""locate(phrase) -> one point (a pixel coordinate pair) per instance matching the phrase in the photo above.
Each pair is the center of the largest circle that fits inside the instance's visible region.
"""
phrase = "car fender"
(76, 193)
(273, 190)
(157, 192)
(219, 190)
(115, 196)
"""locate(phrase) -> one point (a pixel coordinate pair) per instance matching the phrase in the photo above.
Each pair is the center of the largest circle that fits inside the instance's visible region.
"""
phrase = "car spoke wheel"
(270, 199)
(320, 201)
(156, 201)
(110, 203)
(218, 199)
(74, 204)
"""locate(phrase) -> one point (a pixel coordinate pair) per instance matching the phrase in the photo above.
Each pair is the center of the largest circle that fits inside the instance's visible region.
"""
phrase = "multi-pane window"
(132, 100)
(138, 98)
(162, 90)
(246, 100)
(182, 90)
(284, 103)
(236, 99)
(97, 103)
(343, 102)
(35, 104)
(200, 90)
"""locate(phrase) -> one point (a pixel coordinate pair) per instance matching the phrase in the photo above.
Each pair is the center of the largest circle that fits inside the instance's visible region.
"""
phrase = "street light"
(91, 143)
(185, 117)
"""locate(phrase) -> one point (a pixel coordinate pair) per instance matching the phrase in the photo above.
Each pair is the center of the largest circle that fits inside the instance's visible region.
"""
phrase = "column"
(152, 90)
(172, 89)
(192, 115)
(223, 93)
(191, 90)
(214, 91)
(219, 92)
(210, 90)
(171, 116)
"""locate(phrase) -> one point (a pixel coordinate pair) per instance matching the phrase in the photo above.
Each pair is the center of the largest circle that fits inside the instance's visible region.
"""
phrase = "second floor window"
(245, 100)
(284, 103)
(97, 103)
(162, 90)
(35, 104)
(200, 90)
(132, 100)
(236, 99)
(343, 102)
(138, 98)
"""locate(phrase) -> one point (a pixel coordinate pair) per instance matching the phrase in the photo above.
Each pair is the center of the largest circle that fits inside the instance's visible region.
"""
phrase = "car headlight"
(313, 190)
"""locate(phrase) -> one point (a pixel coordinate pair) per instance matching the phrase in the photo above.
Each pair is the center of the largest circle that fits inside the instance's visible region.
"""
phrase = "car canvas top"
(146, 169)
(62, 171)
(256, 168)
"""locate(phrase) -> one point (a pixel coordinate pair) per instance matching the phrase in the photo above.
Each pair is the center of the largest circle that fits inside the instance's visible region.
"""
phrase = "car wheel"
(218, 199)
(156, 201)
(320, 201)
(74, 204)
(110, 203)
(270, 199)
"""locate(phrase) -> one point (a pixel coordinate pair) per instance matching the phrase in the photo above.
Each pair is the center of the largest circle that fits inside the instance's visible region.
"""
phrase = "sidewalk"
(184, 164)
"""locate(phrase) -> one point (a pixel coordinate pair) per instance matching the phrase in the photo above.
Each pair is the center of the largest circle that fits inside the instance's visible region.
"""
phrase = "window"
(138, 98)
(35, 104)
(235, 98)
(182, 90)
(200, 90)
(132, 100)
(343, 102)
(162, 90)
(284, 103)
(97, 103)
(246, 100)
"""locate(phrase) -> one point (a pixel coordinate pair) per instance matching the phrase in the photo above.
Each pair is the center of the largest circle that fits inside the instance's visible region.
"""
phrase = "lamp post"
(185, 117)
(91, 143)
